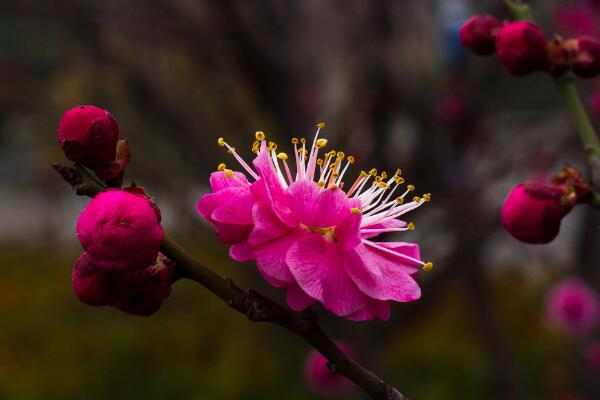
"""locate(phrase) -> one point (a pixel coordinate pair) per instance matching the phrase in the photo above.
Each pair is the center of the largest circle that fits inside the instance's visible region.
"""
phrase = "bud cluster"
(522, 47)
(119, 229)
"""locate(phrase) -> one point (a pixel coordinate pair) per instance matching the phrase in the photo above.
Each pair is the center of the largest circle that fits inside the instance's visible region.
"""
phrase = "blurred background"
(395, 88)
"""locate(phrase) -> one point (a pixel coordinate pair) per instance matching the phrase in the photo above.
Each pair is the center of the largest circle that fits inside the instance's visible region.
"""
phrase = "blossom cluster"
(522, 47)
(119, 229)
(312, 234)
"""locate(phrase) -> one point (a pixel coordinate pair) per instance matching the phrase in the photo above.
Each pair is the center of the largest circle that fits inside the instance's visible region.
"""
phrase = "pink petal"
(267, 226)
(219, 181)
(232, 233)
(297, 298)
(390, 223)
(317, 266)
(402, 248)
(235, 206)
(270, 186)
(347, 233)
(315, 207)
(271, 257)
(378, 277)
(241, 252)
(375, 309)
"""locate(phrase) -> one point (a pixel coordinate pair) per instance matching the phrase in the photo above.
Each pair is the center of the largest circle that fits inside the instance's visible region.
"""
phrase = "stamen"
(355, 210)
(428, 266)
(222, 143)
(221, 167)
(259, 135)
(228, 173)
(386, 250)
(411, 226)
(361, 176)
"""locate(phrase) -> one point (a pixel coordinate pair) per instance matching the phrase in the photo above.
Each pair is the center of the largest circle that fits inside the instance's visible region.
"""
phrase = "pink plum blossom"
(312, 234)
(573, 307)
(121, 231)
(321, 379)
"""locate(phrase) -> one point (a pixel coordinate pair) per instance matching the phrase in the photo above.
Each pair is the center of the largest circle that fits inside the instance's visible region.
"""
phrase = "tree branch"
(252, 304)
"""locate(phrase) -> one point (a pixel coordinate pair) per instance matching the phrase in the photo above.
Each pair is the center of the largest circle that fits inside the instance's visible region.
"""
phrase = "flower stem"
(583, 125)
(257, 307)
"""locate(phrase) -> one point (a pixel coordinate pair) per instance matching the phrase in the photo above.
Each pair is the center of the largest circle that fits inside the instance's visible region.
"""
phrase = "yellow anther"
(282, 156)
(272, 146)
(400, 200)
(340, 155)
(399, 180)
(362, 174)
(373, 172)
(295, 141)
(383, 175)
(321, 143)
(302, 140)
(221, 142)
(350, 159)
(398, 172)
(335, 175)
(321, 125)
(221, 167)
(301, 150)
(410, 226)
(320, 184)
(377, 179)
(427, 196)
(331, 153)
(416, 199)
(410, 187)
(382, 185)
(428, 266)
(355, 210)
(228, 173)
(259, 135)
(319, 161)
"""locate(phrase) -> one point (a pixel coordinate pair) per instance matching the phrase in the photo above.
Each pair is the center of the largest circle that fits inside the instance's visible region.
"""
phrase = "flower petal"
(270, 187)
(235, 206)
(267, 226)
(397, 250)
(347, 233)
(232, 233)
(271, 257)
(390, 223)
(375, 309)
(297, 298)
(378, 277)
(241, 252)
(314, 206)
(316, 263)
(219, 180)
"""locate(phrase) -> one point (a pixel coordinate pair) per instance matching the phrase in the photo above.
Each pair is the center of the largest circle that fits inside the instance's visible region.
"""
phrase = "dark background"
(395, 89)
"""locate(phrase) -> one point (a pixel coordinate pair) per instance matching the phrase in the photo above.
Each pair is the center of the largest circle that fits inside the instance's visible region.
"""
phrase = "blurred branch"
(254, 305)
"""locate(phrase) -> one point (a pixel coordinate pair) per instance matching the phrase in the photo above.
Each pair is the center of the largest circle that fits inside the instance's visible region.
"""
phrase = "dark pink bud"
(521, 48)
(587, 59)
(321, 379)
(142, 292)
(92, 286)
(121, 231)
(479, 34)
(88, 135)
(532, 212)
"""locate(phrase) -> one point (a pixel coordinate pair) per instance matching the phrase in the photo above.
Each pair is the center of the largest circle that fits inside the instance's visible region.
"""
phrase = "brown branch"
(252, 304)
